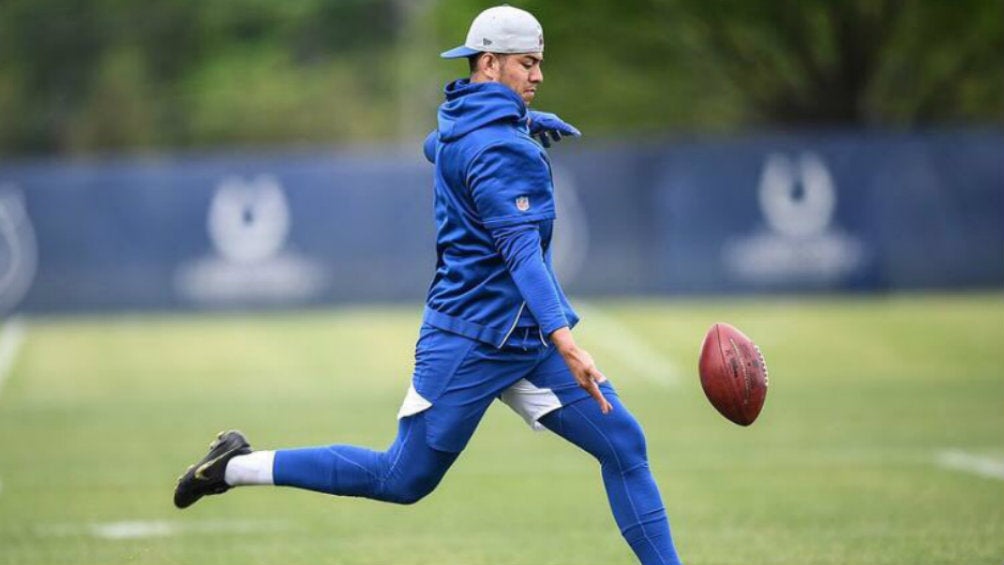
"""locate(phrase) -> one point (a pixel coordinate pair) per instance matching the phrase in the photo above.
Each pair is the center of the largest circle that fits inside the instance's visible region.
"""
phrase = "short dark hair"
(472, 61)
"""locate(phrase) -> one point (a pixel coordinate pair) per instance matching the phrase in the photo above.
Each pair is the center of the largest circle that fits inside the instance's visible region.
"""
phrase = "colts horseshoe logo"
(18, 249)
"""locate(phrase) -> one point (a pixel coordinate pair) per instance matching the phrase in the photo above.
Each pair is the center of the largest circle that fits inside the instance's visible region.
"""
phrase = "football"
(733, 374)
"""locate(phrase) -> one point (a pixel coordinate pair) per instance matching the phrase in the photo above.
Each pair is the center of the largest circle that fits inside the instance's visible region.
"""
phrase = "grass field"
(882, 414)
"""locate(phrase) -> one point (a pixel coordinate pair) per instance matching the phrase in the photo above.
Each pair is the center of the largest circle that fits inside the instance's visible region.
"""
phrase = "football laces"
(763, 364)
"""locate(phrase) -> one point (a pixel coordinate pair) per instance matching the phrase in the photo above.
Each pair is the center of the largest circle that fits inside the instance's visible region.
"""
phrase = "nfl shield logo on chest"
(523, 203)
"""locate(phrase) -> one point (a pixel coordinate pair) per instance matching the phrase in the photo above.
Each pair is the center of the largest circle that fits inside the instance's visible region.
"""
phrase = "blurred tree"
(722, 64)
(609, 66)
(80, 76)
(855, 61)
(83, 76)
(48, 49)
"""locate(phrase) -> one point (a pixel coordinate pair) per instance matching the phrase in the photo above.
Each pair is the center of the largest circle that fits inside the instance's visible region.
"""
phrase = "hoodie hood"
(470, 106)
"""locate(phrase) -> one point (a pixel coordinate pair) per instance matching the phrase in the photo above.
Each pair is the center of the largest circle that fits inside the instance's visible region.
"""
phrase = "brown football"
(733, 374)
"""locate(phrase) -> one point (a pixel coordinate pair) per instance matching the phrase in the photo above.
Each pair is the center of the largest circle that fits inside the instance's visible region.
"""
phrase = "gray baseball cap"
(502, 29)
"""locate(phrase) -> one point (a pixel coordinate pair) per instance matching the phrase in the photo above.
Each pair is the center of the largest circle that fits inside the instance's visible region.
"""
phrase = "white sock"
(254, 468)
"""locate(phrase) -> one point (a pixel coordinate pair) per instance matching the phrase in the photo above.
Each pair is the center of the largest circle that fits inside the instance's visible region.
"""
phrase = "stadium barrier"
(843, 211)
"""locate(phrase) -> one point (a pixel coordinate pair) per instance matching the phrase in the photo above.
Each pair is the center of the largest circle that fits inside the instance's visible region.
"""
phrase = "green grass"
(99, 415)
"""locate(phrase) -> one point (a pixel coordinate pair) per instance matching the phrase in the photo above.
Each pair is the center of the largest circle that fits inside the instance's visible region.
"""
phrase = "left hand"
(548, 127)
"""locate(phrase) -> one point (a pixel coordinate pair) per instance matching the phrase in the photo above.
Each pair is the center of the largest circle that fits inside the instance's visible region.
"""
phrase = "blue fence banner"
(821, 212)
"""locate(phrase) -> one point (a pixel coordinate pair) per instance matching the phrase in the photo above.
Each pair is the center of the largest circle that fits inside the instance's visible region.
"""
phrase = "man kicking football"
(496, 323)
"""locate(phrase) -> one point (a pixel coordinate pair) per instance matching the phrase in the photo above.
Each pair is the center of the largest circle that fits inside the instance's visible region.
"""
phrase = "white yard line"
(11, 338)
(990, 467)
(142, 529)
(631, 349)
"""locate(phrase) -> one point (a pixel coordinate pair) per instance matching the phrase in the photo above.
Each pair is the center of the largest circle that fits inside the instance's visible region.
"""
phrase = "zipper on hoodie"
(513, 327)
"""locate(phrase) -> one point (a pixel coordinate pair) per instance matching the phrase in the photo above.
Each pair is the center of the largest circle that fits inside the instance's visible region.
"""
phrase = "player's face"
(521, 72)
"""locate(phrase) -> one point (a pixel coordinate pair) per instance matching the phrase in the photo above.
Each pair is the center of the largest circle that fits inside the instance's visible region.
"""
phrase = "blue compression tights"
(410, 469)
(617, 441)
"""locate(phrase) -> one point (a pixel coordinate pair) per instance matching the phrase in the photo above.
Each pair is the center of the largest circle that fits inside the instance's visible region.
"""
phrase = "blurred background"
(174, 153)
(217, 215)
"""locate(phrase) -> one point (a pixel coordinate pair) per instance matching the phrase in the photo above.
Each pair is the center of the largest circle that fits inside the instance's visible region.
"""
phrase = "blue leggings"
(410, 469)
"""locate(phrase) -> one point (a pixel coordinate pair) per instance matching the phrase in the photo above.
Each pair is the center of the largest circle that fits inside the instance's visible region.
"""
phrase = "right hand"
(582, 366)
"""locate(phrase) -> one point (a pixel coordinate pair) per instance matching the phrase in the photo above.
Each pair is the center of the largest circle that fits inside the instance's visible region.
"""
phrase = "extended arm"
(545, 126)
(511, 187)
(520, 246)
(548, 127)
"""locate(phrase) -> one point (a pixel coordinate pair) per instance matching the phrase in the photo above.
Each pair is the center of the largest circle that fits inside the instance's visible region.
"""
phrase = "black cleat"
(206, 476)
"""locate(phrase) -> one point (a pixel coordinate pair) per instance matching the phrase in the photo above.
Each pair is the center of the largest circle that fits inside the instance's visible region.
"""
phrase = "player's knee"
(629, 446)
(405, 498)
(410, 492)
(412, 487)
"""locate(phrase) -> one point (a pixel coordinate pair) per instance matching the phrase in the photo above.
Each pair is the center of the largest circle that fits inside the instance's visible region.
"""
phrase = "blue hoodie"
(494, 213)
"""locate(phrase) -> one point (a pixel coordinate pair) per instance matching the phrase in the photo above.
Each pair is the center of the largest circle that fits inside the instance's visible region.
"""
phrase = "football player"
(497, 323)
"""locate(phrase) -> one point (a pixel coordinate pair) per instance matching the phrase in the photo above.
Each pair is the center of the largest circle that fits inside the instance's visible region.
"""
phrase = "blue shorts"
(456, 378)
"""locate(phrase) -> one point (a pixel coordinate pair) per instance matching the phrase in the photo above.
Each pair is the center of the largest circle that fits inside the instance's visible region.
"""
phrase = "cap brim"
(459, 52)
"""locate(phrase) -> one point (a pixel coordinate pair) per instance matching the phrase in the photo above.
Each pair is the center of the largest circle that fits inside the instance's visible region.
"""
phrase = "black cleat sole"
(206, 477)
